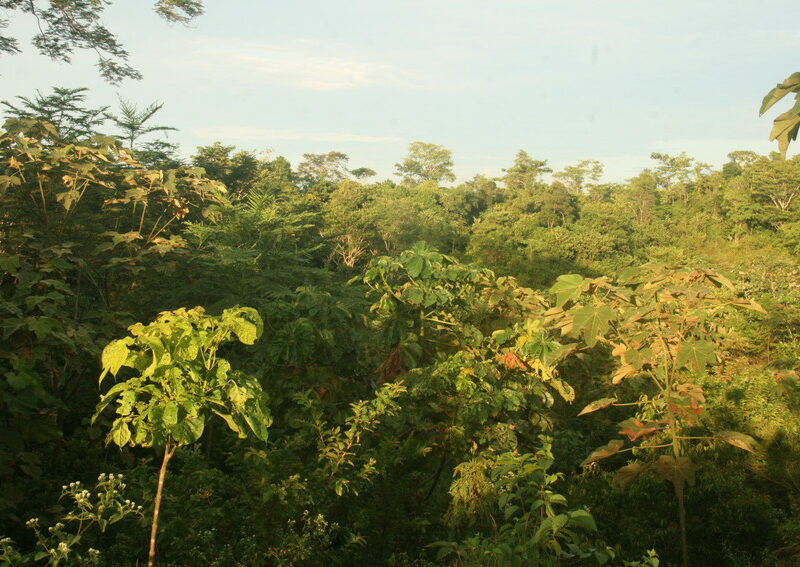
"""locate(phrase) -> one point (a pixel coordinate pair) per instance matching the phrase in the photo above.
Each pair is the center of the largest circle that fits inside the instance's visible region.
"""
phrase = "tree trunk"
(169, 450)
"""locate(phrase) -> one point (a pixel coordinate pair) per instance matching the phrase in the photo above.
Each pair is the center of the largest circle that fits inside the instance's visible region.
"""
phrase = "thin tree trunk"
(678, 484)
(169, 450)
(682, 519)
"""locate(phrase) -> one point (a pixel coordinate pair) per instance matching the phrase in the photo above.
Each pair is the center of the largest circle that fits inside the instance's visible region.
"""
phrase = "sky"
(565, 80)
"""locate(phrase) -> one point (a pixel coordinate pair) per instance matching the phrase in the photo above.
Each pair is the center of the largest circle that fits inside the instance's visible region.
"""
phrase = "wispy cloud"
(253, 134)
(302, 64)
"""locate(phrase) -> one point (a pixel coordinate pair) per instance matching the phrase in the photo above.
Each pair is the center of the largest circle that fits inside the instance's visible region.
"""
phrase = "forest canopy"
(227, 358)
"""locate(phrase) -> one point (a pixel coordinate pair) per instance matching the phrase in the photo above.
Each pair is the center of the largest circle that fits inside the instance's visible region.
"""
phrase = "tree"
(239, 171)
(363, 172)
(178, 382)
(69, 25)
(574, 177)
(426, 162)
(324, 168)
(525, 172)
(743, 158)
(64, 109)
(664, 327)
(776, 181)
(787, 124)
(132, 121)
(557, 205)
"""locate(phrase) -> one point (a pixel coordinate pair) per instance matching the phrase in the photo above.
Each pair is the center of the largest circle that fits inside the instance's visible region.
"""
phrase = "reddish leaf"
(598, 405)
(634, 428)
(612, 448)
(512, 362)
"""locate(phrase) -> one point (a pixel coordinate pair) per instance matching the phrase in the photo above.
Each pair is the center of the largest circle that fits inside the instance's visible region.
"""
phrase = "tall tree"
(320, 168)
(575, 177)
(525, 172)
(426, 162)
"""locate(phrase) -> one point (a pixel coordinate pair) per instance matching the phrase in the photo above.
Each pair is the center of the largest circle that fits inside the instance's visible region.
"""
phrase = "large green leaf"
(696, 354)
(567, 287)
(415, 266)
(189, 430)
(114, 356)
(582, 519)
(790, 84)
(120, 434)
(592, 321)
(170, 414)
(784, 130)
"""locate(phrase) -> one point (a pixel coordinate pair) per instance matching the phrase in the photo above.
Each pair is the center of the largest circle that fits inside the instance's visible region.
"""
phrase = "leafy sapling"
(177, 382)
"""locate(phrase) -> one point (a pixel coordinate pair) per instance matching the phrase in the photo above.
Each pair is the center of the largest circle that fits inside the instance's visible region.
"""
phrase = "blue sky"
(564, 80)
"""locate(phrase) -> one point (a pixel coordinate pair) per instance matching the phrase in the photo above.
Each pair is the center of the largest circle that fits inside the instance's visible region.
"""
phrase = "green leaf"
(790, 84)
(413, 295)
(592, 321)
(563, 388)
(612, 448)
(696, 354)
(41, 326)
(120, 434)
(20, 380)
(415, 266)
(189, 430)
(597, 405)
(567, 287)
(114, 355)
(784, 130)
(9, 263)
(170, 414)
(582, 519)
(740, 440)
(246, 331)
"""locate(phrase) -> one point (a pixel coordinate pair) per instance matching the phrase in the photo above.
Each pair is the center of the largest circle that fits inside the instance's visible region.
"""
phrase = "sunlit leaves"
(178, 379)
(568, 288)
(114, 355)
(592, 322)
(787, 124)
(696, 354)
(598, 405)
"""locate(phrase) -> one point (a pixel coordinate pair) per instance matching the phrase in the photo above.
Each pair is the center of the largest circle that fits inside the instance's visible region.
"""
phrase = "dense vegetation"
(297, 366)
